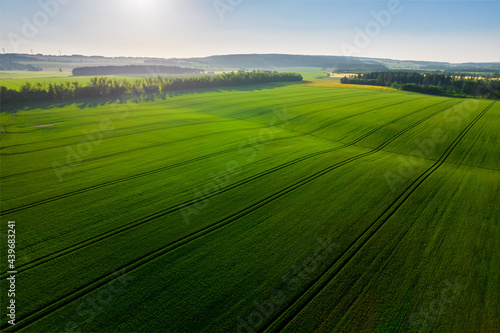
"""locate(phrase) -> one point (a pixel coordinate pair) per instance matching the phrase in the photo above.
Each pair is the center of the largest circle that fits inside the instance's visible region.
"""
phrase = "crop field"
(15, 81)
(296, 208)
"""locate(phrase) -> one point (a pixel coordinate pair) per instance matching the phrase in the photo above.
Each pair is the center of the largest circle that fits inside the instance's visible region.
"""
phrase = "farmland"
(294, 207)
(13, 80)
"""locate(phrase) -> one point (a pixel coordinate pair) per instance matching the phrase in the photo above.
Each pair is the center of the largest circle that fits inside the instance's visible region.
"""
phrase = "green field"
(295, 207)
(14, 80)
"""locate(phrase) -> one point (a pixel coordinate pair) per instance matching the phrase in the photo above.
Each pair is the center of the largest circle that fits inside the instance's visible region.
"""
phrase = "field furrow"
(291, 207)
(143, 260)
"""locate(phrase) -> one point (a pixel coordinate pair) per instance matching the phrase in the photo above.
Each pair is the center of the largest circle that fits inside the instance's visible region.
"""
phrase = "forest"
(434, 84)
(133, 69)
(106, 87)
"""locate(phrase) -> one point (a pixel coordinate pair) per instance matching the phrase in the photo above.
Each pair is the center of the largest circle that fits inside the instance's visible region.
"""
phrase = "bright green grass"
(13, 82)
(302, 69)
(308, 73)
(443, 235)
(16, 79)
(311, 75)
(294, 164)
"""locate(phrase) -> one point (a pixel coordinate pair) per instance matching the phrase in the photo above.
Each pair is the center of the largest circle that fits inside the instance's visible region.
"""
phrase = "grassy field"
(16, 79)
(301, 207)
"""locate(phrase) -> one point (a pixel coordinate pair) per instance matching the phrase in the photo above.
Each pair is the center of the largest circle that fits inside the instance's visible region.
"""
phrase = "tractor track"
(161, 169)
(188, 203)
(315, 287)
(182, 205)
(135, 264)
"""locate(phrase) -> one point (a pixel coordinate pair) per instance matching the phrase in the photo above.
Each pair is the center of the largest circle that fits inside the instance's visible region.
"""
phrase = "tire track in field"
(242, 182)
(172, 209)
(135, 264)
(159, 144)
(118, 136)
(147, 173)
(135, 108)
(289, 313)
(310, 96)
(126, 131)
(124, 179)
(173, 127)
(210, 121)
(348, 96)
(129, 150)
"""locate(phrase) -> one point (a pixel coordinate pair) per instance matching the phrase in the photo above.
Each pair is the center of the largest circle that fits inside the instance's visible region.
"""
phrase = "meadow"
(13, 80)
(291, 207)
(16, 79)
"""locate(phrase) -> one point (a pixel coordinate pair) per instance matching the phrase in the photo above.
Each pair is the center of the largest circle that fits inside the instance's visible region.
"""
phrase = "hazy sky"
(454, 31)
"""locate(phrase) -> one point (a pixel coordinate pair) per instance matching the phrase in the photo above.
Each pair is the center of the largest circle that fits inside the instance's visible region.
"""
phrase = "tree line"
(435, 84)
(106, 87)
(134, 69)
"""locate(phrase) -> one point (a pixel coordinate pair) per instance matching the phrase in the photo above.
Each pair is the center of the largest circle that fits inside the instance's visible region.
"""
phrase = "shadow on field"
(83, 103)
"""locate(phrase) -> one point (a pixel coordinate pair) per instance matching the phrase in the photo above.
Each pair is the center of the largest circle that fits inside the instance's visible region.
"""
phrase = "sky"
(444, 30)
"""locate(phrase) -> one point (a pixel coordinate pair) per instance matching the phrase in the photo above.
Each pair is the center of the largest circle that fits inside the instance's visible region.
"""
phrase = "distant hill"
(13, 62)
(284, 62)
(270, 61)
(339, 64)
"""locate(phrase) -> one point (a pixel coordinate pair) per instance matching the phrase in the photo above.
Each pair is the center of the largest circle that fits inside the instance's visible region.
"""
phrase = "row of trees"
(105, 87)
(134, 69)
(436, 84)
(462, 75)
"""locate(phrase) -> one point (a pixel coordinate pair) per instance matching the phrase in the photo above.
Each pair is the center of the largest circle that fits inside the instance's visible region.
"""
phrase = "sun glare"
(143, 4)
